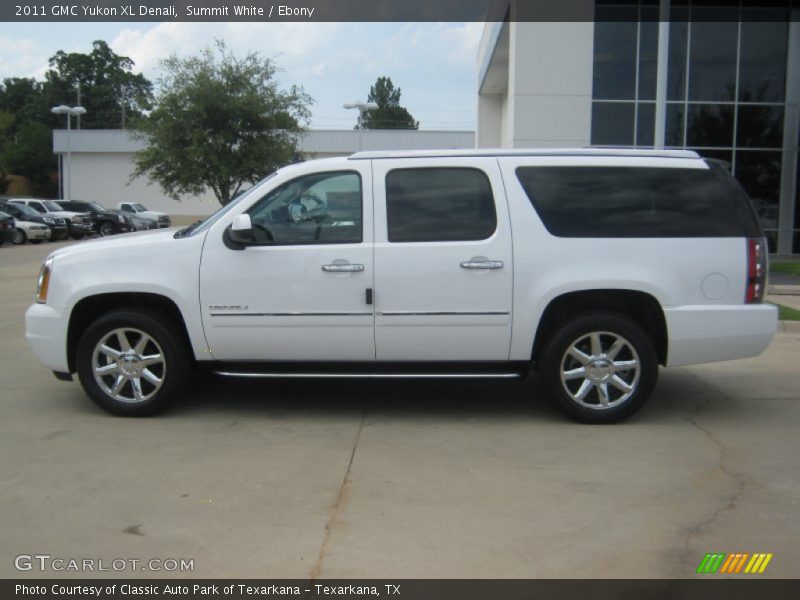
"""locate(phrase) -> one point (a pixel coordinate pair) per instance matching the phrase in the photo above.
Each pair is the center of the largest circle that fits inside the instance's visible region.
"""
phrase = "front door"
(302, 292)
(443, 261)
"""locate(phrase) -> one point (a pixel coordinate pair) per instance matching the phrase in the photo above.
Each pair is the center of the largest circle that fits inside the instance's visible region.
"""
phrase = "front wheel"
(133, 362)
(106, 228)
(599, 367)
(19, 237)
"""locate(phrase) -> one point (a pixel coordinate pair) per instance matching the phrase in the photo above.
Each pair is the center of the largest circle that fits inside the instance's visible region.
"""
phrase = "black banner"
(389, 10)
(405, 589)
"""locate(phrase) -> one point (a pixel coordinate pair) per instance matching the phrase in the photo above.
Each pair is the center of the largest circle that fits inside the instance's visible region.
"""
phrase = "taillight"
(756, 270)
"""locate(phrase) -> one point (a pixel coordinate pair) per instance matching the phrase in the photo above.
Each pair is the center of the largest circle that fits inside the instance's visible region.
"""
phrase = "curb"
(783, 290)
(789, 326)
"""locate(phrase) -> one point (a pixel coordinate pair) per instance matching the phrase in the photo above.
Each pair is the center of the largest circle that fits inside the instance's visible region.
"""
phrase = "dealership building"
(100, 162)
(721, 78)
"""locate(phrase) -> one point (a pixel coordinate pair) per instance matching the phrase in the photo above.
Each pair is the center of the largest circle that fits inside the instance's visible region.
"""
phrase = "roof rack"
(465, 152)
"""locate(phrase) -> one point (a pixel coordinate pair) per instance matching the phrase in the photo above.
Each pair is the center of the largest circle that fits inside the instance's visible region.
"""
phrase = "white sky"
(433, 63)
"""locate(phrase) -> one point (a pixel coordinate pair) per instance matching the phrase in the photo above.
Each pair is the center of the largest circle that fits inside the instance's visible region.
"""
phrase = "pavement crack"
(730, 503)
(338, 504)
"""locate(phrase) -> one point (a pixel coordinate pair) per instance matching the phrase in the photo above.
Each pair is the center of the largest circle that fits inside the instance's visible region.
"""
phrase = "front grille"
(163, 221)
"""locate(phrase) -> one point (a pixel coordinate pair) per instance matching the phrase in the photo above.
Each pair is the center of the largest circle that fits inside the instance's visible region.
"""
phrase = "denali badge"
(228, 307)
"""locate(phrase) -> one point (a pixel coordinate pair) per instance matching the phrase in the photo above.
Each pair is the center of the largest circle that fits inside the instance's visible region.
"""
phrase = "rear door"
(443, 262)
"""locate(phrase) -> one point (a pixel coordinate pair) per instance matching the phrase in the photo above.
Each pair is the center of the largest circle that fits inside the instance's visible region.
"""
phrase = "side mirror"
(241, 230)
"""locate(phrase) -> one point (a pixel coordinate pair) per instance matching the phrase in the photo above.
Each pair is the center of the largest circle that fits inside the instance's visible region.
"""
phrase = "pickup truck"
(134, 208)
(591, 267)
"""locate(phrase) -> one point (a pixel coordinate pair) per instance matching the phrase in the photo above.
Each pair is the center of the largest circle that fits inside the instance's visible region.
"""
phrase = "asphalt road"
(363, 479)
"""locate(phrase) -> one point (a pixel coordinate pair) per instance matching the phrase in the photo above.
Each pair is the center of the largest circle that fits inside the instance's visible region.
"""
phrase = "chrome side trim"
(427, 313)
(370, 375)
(295, 314)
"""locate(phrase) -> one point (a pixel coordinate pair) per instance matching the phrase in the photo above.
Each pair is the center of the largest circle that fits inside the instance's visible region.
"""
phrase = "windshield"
(97, 207)
(204, 224)
(4, 215)
(139, 207)
(50, 205)
(25, 209)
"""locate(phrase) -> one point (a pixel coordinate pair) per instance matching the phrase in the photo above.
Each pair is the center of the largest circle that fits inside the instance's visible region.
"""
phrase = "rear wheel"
(133, 362)
(600, 367)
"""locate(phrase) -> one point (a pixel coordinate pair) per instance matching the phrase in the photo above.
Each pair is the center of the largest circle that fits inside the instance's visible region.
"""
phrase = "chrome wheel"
(600, 370)
(106, 229)
(129, 365)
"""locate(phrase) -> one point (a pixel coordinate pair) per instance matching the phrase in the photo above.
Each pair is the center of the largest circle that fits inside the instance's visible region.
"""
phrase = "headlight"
(49, 220)
(77, 219)
(121, 218)
(43, 282)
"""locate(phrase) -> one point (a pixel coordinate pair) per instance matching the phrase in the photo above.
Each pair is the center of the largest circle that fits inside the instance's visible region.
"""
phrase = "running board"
(287, 375)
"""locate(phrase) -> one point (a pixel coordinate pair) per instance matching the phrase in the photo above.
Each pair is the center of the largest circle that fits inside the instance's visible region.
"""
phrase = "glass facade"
(726, 88)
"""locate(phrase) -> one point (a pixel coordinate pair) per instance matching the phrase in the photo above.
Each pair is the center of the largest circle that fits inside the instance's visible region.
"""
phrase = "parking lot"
(400, 479)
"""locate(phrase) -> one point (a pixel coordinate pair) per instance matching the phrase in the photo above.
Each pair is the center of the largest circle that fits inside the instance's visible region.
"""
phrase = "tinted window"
(634, 202)
(612, 123)
(615, 36)
(712, 55)
(439, 205)
(323, 208)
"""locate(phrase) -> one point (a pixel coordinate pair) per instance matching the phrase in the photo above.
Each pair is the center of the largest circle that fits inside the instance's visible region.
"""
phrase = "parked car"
(80, 223)
(106, 222)
(59, 230)
(6, 228)
(28, 231)
(618, 261)
(139, 210)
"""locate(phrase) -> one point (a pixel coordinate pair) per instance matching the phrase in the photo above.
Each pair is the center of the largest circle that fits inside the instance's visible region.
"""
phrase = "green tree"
(389, 114)
(220, 122)
(31, 155)
(6, 120)
(109, 89)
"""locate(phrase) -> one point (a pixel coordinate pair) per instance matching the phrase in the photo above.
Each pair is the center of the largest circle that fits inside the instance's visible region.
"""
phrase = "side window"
(127, 208)
(439, 205)
(37, 206)
(630, 202)
(322, 208)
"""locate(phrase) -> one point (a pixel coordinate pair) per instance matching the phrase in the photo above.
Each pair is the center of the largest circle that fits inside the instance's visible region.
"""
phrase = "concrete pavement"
(406, 479)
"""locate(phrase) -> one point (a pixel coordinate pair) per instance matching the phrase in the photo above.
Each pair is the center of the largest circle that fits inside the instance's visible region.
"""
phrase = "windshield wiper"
(187, 230)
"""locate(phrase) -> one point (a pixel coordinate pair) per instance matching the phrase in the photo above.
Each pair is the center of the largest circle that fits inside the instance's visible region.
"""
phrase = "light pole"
(362, 107)
(70, 111)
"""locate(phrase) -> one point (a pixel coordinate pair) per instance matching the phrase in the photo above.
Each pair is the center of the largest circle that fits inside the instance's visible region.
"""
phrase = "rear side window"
(630, 202)
(439, 205)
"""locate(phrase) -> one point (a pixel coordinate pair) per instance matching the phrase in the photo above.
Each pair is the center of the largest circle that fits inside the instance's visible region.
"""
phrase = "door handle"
(345, 268)
(481, 264)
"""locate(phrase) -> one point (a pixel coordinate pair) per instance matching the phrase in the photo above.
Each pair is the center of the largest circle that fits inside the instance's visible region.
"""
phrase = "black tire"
(20, 237)
(164, 332)
(36, 241)
(635, 345)
(106, 228)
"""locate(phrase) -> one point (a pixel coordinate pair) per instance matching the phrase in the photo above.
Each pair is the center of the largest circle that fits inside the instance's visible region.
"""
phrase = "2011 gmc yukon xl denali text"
(592, 267)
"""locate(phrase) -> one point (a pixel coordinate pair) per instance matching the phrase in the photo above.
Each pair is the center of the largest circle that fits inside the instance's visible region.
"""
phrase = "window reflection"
(760, 127)
(710, 125)
(762, 66)
(612, 123)
(712, 55)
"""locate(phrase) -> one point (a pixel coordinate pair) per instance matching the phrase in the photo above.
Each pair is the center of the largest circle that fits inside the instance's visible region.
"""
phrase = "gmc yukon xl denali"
(592, 267)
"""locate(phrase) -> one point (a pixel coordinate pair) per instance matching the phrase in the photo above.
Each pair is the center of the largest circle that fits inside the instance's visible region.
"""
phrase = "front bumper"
(60, 232)
(38, 234)
(81, 229)
(708, 333)
(46, 332)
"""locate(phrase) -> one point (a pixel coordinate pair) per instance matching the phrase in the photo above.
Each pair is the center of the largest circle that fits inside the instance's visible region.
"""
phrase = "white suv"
(590, 266)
